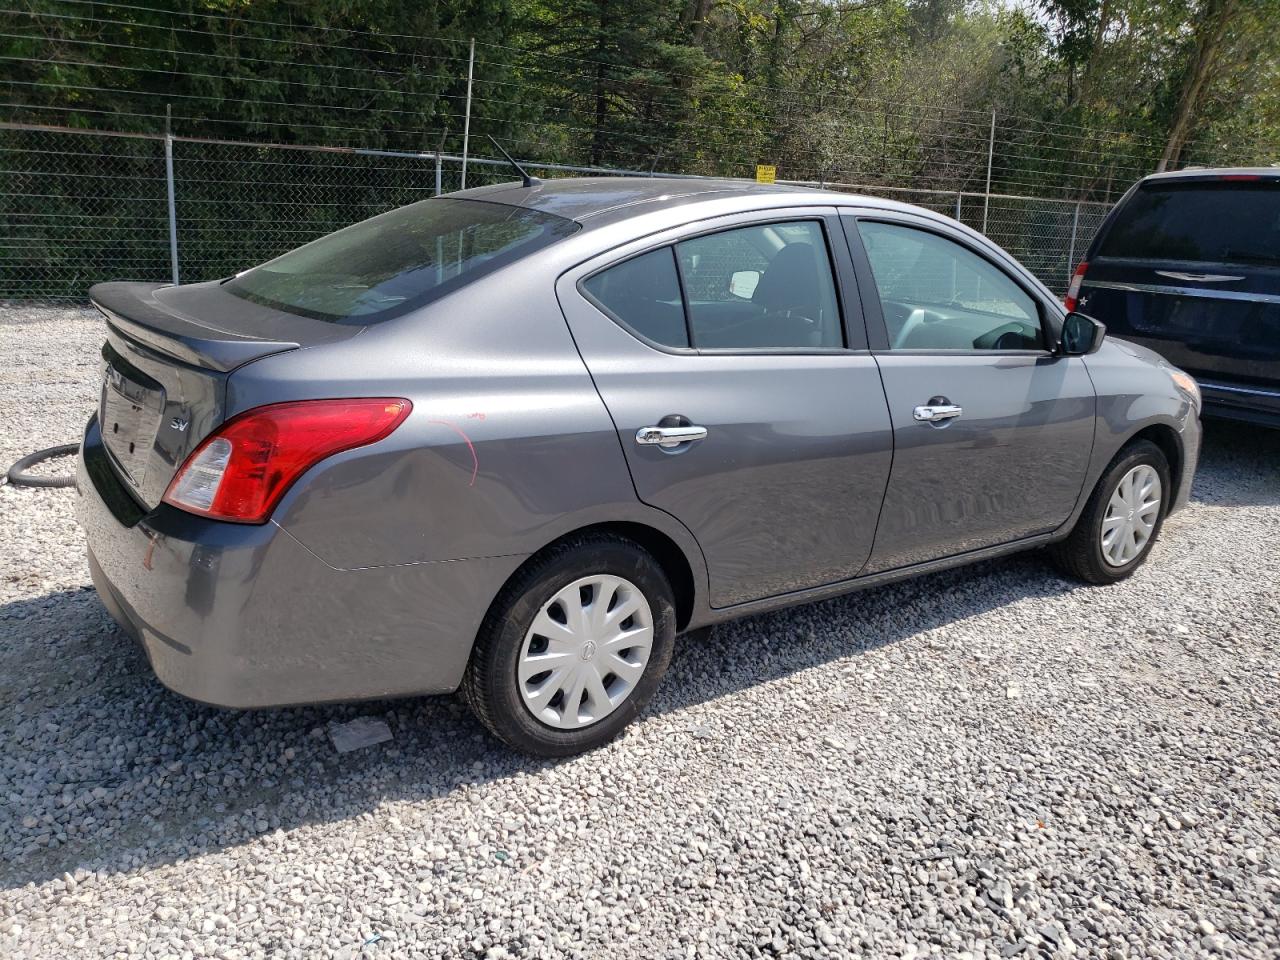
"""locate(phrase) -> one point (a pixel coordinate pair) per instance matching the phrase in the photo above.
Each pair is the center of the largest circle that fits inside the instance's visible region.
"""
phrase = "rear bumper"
(1246, 402)
(245, 616)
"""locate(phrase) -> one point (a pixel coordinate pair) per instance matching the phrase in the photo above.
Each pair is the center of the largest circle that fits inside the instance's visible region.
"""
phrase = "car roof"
(597, 201)
(1215, 173)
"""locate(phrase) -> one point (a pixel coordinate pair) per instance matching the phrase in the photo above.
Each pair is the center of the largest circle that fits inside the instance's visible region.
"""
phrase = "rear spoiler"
(133, 311)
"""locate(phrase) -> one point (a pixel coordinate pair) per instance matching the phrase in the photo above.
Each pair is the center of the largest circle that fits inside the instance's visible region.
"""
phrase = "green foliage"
(882, 91)
(1088, 95)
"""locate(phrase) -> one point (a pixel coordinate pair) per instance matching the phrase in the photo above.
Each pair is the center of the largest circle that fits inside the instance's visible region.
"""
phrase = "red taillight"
(243, 468)
(1073, 291)
(1240, 177)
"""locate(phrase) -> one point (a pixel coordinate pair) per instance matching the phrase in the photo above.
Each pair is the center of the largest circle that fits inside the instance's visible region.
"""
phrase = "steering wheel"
(1009, 340)
(915, 319)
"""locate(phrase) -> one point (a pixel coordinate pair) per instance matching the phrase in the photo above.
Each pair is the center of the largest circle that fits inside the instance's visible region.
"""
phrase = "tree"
(1210, 32)
(622, 66)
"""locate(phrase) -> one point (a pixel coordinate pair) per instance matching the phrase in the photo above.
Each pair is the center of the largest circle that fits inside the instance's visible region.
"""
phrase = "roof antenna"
(528, 180)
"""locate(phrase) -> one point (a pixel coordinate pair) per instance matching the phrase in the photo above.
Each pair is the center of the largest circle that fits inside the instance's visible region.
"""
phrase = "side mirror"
(1081, 335)
(743, 283)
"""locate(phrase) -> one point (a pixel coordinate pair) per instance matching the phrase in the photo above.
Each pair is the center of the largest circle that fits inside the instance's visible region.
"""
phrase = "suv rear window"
(393, 263)
(1228, 222)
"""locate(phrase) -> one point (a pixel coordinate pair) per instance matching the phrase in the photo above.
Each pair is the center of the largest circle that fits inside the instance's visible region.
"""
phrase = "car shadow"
(102, 767)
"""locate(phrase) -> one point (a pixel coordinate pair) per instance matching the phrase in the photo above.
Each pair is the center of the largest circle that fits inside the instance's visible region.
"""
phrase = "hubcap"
(1131, 515)
(585, 652)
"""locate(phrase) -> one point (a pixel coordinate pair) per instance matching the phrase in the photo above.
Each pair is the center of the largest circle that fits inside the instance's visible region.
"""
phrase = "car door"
(992, 430)
(732, 357)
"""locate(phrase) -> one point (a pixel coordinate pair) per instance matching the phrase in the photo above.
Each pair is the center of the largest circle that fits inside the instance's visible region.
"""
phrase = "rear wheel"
(1122, 519)
(573, 647)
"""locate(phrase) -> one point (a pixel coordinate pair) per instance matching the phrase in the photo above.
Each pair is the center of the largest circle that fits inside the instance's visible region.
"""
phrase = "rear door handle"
(938, 412)
(669, 436)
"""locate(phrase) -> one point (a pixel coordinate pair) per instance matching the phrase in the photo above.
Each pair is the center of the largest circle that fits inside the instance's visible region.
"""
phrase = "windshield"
(1227, 222)
(388, 265)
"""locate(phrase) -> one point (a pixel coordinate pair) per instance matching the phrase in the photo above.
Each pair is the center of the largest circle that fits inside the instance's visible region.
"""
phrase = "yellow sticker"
(766, 173)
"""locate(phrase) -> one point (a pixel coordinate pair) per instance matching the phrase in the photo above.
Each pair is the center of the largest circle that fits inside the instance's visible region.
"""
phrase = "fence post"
(959, 199)
(171, 193)
(466, 122)
(991, 150)
(439, 174)
(1071, 253)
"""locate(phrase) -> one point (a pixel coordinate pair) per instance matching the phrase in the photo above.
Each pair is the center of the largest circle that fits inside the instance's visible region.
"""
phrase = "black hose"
(20, 478)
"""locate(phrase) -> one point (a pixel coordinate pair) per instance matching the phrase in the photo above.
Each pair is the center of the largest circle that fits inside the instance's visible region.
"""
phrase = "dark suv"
(1188, 264)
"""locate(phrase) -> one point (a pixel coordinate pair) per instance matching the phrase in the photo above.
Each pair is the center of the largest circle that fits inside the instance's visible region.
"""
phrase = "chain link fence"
(77, 207)
(1048, 236)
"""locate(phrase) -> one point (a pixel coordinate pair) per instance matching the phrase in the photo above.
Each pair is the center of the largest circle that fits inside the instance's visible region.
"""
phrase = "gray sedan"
(515, 440)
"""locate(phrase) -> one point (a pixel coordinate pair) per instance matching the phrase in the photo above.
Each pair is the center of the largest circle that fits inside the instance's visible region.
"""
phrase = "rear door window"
(759, 287)
(768, 286)
(643, 293)
(393, 263)
(1226, 222)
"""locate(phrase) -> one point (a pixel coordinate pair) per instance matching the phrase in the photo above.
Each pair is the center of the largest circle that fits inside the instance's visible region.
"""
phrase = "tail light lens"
(240, 472)
(1073, 291)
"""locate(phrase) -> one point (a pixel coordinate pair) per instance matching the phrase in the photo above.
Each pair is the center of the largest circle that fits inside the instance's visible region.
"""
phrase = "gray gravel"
(985, 763)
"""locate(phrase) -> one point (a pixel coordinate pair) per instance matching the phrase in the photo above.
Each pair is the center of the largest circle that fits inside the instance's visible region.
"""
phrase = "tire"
(1081, 555)
(501, 699)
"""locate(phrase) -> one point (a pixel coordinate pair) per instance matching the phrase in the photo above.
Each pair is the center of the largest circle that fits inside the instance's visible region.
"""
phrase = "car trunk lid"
(165, 364)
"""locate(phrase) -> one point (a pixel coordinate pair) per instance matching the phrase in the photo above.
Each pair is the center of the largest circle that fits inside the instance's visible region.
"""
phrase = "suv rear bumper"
(1241, 402)
(237, 615)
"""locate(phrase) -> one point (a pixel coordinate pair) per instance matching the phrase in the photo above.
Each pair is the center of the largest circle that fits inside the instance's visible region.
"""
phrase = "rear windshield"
(386, 266)
(1230, 222)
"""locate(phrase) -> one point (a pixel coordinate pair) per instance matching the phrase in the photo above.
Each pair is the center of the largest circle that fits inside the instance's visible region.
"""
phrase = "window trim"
(684, 296)
(874, 309)
(840, 260)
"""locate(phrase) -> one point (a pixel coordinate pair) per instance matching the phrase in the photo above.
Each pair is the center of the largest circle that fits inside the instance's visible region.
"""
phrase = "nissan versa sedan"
(514, 440)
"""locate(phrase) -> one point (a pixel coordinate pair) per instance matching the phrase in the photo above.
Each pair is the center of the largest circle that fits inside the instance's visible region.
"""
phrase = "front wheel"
(1122, 519)
(573, 647)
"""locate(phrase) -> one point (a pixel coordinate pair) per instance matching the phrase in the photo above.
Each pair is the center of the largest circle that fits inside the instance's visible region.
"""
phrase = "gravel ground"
(984, 763)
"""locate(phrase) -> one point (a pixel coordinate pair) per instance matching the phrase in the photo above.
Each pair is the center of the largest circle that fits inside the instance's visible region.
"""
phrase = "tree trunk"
(694, 18)
(1084, 88)
(602, 108)
(601, 92)
(1210, 33)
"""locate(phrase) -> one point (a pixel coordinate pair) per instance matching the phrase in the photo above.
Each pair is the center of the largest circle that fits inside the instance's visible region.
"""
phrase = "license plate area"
(130, 410)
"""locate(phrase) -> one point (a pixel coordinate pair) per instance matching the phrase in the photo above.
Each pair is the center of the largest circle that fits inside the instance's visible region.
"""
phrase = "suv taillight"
(1073, 291)
(240, 472)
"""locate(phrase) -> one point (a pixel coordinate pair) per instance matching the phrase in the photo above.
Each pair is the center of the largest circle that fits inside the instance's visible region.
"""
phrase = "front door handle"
(669, 436)
(936, 413)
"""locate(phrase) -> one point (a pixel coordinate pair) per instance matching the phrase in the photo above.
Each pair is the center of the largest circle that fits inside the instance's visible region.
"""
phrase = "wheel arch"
(673, 559)
(1170, 443)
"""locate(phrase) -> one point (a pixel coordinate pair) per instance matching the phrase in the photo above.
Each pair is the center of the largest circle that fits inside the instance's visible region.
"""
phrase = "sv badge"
(177, 423)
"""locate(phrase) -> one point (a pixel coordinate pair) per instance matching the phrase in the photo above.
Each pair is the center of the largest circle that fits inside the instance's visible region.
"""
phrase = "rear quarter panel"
(508, 446)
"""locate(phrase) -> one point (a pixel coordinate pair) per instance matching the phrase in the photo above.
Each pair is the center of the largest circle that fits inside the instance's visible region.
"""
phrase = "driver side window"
(938, 295)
